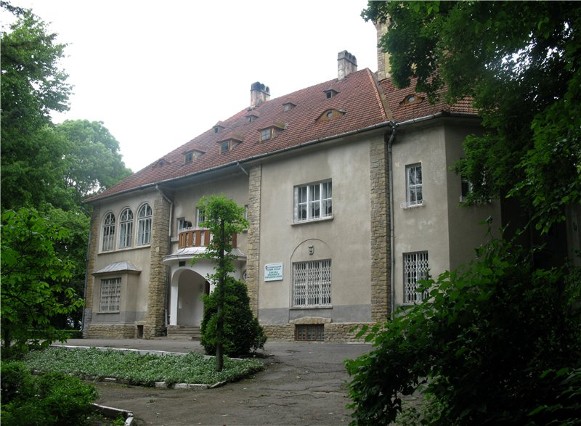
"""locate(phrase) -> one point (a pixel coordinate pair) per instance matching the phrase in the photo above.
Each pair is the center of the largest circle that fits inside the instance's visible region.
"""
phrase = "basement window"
(310, 332)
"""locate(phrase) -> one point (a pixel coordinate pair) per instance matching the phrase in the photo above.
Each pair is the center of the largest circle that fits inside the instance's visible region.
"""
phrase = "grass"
(137, 369)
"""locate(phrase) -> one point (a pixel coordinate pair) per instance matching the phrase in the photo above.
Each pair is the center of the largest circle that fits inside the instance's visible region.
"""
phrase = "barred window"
(312, 283)
(314, 201)
(415, 268)
(126, 229)
(144, 225)
(110, 295)
(109, 232)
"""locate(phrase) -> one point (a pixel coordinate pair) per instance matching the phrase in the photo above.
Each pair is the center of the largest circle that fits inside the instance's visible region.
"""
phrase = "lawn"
(140, 369)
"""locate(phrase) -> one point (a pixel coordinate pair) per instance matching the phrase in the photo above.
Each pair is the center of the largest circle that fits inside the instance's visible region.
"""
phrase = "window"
(189, 157)
(126, 229)
(466, 189)
(109, 232)
(251, 117)
(266, 134)
(312, 283)
(144, 225)
(415, 268)
(330, 93)
(224, 147)
(183, 224)
(200, 218)
(110, 295)
(414, 185)
(288, 106)
(313, 201)
(310, 332)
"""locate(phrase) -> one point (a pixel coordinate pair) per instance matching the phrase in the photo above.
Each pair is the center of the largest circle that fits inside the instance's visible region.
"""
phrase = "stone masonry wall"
(334, 332)
(92, 256)
(121, 331)
(160, 246)
(380, 248)
(253, 244)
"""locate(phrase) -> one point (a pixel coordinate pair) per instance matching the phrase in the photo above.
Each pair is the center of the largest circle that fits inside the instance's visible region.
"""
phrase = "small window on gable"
(288, 106)
(330, 93)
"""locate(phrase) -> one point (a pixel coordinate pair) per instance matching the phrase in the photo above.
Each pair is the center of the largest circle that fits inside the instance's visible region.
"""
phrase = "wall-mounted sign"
(273, 272)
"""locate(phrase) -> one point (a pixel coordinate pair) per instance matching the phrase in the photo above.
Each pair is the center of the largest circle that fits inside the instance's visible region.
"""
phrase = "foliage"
(37, 270)
(50, 399)
(139, 369)
(224, 218)
(500, 54)
(496, 343)
(242, 332)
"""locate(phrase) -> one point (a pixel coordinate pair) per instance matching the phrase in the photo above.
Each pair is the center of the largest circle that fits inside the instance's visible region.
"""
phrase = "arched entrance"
(189, 305)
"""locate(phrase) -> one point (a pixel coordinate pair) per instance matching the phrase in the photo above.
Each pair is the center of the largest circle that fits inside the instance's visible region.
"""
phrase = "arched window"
(126, 229)
(109, 232)
(144, 225)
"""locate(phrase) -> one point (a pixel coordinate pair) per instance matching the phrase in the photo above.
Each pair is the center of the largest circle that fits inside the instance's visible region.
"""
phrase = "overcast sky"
(157, 74)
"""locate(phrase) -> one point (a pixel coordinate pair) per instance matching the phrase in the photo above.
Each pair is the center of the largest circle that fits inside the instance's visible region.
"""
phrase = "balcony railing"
(199, 238)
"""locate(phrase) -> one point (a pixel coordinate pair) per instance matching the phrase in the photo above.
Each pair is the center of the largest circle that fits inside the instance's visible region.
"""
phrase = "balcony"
(197, 237)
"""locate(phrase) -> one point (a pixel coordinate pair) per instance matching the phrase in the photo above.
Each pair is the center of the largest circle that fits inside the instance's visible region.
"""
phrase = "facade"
(350, 197)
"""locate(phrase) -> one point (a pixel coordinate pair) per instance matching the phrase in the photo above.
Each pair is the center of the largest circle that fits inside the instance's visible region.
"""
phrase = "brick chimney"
(347, 63)
(259, 93)
(383, 66)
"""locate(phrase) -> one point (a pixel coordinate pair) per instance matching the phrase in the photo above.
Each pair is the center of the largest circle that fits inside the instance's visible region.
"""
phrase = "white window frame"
(200, 217)
(110, 295)
(108, 232)
(415, 268)
(414, 187)
(313, 201)
(144, 215)
(311, 284)
(126, 228)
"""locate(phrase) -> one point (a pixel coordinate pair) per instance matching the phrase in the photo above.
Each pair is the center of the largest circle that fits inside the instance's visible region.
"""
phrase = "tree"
(501, 54)
(224, 218)
(36, 276)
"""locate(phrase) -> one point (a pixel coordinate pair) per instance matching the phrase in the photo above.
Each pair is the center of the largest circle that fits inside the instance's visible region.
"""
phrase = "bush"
(50, 399)
(242, 332)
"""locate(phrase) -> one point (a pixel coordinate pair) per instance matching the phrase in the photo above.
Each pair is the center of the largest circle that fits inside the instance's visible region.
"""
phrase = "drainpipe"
(393, 126)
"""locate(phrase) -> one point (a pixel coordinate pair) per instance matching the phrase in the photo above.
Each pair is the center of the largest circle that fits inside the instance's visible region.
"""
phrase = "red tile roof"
(358, 98)
(357, 95)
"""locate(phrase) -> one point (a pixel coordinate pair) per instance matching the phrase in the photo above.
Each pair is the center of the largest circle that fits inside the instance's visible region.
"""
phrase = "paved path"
(304, 384)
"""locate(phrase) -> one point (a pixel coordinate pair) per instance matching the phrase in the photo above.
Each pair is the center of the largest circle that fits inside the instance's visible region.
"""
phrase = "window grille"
(312, 283)
(126, 229)
(110, 295)
(313, 201)
(109, 232)
(310, 332)
(414, 185)
(144, 225)
(415, 268)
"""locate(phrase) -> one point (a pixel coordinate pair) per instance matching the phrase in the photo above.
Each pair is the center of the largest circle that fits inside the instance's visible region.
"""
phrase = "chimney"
(347, 63)
(383, 67)
(259, 93)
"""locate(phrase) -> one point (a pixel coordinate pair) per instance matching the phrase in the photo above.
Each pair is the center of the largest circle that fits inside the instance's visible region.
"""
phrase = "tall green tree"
(224, 218)
(521, 64)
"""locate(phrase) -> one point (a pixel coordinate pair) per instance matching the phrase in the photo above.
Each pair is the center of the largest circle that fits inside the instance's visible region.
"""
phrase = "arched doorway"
(190, 307)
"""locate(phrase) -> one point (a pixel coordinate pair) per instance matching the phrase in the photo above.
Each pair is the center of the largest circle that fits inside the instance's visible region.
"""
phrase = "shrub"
(50, 399)
(242, 332)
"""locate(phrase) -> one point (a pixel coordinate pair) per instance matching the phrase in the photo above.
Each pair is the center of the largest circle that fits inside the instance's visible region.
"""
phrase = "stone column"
(253, 245)
(93, 250)
(160, 245)
(380, 241)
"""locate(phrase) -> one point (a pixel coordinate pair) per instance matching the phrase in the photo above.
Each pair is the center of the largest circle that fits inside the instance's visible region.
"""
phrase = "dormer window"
(270, 132)
(218, 128)
(251, 117)
(190, 156)
(412, 99)
(331, 114)
(228, 145)
(288, 106)
(330, 93)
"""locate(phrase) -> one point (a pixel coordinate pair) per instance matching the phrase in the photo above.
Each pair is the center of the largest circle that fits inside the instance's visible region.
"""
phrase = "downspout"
(168, 275)
(393, 126)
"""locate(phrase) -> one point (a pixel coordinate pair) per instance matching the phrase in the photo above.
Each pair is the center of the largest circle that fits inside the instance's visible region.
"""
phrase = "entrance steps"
(183, 332)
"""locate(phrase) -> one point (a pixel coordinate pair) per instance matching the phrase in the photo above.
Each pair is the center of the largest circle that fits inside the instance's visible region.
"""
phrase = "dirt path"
(304, 384)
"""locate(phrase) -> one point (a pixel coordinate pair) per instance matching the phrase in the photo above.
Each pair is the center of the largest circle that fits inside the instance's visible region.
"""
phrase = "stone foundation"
(334, 332)
(111, 331)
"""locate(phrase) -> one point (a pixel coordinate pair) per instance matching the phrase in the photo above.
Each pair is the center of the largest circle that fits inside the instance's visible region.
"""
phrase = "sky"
(157, 74)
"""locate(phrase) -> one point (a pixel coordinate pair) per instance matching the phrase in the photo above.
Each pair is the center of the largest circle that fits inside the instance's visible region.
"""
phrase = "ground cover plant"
(140, 369)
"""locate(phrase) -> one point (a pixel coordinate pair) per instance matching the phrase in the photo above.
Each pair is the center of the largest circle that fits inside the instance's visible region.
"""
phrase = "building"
(350, 197)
